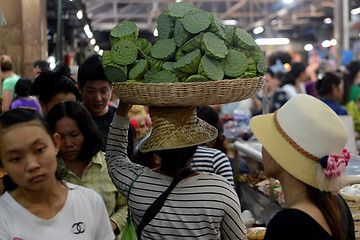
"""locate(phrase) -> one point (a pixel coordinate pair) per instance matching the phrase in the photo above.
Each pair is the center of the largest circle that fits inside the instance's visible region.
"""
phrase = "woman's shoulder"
(289, 89)
(99, 158)
(80, 191)
(288, 222)
(208, 181)
(12, 78)
(204, 150)
(354, 87)
(289, 214)
(5, 199)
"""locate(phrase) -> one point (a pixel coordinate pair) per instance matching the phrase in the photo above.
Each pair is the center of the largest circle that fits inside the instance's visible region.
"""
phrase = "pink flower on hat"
(335, 164)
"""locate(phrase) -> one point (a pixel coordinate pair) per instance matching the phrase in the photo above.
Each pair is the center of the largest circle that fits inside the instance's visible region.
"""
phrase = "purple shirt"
(25, 103)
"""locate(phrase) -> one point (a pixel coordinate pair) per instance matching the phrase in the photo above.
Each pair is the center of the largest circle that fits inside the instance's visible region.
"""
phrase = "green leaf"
(144, 45)
(164, 77)
(210, 68)
(193, 43)
(180, 34)
(243, 39)
(179, 54)
(197, 78)
(234, 64)
(261, 65)
(148, 75)
(217, 26)
(106, 58)
(124, 52)
(154, 63)
(139, 70)
(213, 46)
(169, 66)
(115, 73)
(189, 62)
(164, 49)
(196, 21)
(124, 31)
(165, 27)
(179, 9)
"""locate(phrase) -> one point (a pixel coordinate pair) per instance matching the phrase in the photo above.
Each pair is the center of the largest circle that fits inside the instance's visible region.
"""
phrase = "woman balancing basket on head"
(196, 61)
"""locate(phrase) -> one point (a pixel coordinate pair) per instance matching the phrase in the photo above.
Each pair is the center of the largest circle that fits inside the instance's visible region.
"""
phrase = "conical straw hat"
(177, 127)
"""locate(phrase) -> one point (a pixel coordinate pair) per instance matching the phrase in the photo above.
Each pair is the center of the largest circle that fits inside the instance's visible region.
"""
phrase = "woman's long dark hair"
(291, 76)
(324, 85)
(209, 115)
(173, 160)
(329, 207)
(93, 140)
(22, 115)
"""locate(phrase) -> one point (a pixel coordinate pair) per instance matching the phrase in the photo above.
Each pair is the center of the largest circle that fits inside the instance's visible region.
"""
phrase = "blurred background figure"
(330, 89)
(236, 116)
(211, 156)
(277, 97)
(277, 60)
(247, 107)
(293, 81)
(9, 78)
(39, 67)
(323, 67)
(140, 122)
(54, 87)
(351, 82)
(24, 99)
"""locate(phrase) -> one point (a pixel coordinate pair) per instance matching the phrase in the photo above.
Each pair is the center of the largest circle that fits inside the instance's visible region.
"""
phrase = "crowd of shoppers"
(54, 132)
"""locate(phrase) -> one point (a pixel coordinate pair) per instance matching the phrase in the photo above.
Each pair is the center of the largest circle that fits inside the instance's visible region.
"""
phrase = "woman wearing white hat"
(303, 146)
(199, 206)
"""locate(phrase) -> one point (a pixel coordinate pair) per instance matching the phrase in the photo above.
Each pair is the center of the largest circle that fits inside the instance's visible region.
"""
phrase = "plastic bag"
(261, 207)
(129, 232)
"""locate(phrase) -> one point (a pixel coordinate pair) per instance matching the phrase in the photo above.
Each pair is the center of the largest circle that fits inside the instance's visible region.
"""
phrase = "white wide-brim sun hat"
(299, 134)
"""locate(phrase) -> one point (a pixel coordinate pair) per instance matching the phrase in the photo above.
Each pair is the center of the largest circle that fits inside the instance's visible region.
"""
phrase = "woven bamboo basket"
(188, 94)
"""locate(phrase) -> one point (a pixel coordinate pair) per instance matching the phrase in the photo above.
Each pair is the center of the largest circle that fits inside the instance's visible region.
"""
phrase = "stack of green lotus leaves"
(192, 46)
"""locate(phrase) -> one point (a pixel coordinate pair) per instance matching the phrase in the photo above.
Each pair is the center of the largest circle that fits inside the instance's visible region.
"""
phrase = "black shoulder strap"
(159, 202)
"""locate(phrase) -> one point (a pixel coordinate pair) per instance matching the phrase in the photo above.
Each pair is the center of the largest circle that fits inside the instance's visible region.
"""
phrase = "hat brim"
(282, 151)
(173, 137)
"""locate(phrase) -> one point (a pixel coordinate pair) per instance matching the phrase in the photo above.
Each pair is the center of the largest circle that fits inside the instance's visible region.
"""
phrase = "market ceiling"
(106, 14)
(296, 19)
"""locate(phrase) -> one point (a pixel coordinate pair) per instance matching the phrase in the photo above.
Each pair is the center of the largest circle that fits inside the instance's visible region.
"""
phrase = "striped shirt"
(212, 160)
(204, 206)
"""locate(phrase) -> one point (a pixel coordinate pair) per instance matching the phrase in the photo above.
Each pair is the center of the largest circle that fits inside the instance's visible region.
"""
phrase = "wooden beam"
(234, 8)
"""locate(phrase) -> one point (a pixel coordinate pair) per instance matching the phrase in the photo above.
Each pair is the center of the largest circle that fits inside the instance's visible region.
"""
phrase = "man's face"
(36, 71)
(96, 95)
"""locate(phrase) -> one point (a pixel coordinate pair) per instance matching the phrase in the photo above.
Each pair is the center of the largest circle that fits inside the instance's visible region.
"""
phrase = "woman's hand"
(114, 227)
(123, 109)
